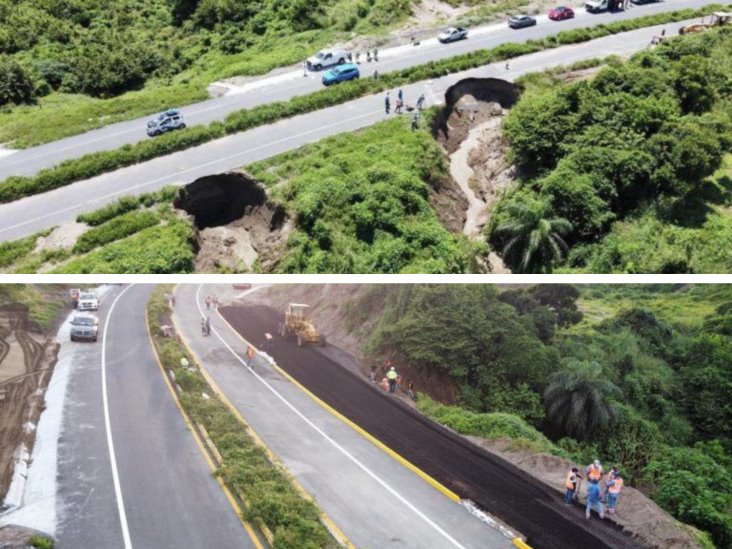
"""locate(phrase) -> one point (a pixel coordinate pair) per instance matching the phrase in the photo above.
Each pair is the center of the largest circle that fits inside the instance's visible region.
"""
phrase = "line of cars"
(84, 325)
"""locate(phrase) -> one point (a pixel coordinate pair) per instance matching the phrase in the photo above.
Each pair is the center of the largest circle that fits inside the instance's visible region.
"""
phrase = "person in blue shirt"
(593, 499)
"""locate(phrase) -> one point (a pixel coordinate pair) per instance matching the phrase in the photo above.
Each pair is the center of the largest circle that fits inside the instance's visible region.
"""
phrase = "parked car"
(521, 21)
(561, 13)
(170, 120)
(88, 302)
(84, 326)
(326, 58)
(645, 1)
(342, 73)
(596, 6)
(452, 34)
(242, 286)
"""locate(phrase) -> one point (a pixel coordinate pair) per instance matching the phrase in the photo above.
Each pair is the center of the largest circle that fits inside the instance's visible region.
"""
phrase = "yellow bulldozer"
(296, 323)
(718, 19)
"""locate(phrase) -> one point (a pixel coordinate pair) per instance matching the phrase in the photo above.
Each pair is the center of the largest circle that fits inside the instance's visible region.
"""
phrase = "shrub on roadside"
(115, 229)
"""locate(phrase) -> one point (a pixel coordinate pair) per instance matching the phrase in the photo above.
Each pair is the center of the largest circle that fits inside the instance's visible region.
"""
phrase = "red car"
(561, 13)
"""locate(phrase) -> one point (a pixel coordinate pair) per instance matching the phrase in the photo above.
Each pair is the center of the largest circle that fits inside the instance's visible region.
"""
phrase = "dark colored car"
(521, 21)
(349, 71)
(561, 13)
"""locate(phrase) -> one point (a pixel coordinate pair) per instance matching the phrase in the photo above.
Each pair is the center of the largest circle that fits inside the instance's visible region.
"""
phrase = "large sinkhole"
(217, 200)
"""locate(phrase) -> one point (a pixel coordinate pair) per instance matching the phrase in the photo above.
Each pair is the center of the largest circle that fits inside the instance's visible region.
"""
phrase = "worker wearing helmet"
(392, 375)
(594, 471)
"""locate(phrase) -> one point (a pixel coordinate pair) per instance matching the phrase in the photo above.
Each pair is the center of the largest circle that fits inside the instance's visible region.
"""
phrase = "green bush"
(126, 204)
(167, 248)
(16, 83)
(115, 229)
(12, 250)
(41, 542)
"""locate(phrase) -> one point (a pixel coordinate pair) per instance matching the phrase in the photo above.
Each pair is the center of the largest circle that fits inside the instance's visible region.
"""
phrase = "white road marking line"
(107, 425)
(329, 439)
(181, 172)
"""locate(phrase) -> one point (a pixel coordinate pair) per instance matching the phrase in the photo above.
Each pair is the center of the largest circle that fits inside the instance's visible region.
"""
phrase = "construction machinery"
(296, 323)
(718, 19)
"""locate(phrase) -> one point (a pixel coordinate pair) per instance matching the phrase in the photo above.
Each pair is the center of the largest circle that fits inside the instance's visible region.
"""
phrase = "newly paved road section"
(495, 485)
(289, 83)
(372, 498)
(170, 498)
(29, 215)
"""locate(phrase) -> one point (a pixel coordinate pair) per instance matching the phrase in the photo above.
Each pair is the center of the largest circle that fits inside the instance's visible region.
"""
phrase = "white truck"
(88, 301)
(327, 58)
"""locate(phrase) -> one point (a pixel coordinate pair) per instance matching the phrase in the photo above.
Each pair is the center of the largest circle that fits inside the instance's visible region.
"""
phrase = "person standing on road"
(304, 68)
(376, 54)
(358, 57)
(391, 375)
(593, 500)
(613, 492)
(400, 95)
(415, 121)
(372, 375)
(387, 103)
(594, 471)
(368, 55)
(203, 326)
(420, 102)
(208, 325)
(571, 485)
(399, 105)
(208, 302)
(610, 476)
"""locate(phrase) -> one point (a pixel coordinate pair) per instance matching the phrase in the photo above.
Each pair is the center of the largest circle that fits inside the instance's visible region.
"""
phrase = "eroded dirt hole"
(237, 223)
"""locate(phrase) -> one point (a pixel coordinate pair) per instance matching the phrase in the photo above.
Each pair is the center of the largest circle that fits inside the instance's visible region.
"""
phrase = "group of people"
(399, 106)
(211, 299)
(596, 495)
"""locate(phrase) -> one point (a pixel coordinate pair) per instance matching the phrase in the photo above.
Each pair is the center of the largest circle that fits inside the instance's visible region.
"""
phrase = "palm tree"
(577, 400)
(533, 236)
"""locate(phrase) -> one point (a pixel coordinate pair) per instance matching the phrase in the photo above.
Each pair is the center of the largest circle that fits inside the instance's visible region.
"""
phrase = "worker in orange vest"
(594, 471)
(614, 485)
(610, 476)
(573, 478)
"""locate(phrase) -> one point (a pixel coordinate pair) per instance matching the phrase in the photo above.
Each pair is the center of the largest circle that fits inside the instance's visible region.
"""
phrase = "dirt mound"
(237, 224)
(636, 512)
(26, 360)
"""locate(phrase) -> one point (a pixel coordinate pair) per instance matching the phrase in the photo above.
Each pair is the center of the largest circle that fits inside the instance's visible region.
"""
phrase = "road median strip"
(91, 165)
(289, 519)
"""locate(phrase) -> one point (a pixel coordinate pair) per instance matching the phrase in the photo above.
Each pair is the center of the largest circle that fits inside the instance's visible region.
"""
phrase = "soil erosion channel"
(494, 484)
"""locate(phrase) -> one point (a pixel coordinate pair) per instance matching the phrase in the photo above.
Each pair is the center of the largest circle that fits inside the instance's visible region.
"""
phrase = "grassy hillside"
(628, 171)
(642, 379)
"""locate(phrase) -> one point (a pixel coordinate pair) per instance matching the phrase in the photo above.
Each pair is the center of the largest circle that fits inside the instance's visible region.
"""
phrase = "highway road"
(374, 499)
(129, 472)
(29, 215)
(284, 84)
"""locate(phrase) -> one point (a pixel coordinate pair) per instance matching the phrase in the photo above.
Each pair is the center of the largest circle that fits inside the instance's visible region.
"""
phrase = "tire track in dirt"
(494, 484)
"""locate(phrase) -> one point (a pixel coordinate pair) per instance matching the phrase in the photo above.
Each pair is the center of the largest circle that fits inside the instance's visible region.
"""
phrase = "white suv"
(88, 302)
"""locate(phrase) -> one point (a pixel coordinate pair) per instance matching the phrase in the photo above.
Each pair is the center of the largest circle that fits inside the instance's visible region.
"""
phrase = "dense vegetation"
(247, 469)
(629, 385)
(627, 154)
(361, 204)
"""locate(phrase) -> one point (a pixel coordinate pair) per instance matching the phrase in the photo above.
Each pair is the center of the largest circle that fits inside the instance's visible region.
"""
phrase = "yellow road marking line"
(406, 463)
(521, 544)
(329, 524)
(206, 456)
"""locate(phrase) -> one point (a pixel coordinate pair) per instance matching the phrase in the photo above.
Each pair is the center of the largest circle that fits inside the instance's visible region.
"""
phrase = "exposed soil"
(27, 358)
(63, 236)
(496, 485)
(237, 224)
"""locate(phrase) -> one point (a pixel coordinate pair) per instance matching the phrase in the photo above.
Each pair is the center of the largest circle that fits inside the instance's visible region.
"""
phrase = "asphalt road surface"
(375, 500)
(284, 84)
(169, 495)
(29, 215)
(494, 484)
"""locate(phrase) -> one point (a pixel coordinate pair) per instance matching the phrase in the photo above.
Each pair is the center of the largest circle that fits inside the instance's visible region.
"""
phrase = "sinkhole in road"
(217, 200)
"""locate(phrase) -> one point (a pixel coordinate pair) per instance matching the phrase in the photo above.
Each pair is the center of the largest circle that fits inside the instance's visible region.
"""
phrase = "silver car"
(84, 327)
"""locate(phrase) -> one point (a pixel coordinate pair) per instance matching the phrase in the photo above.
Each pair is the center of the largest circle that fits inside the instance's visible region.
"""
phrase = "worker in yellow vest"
(614, 486)
(573, 478)
(391, 375)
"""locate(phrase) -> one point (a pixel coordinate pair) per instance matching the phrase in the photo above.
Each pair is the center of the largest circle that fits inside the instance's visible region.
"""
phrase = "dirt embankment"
(27, 357)
(237, 224)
